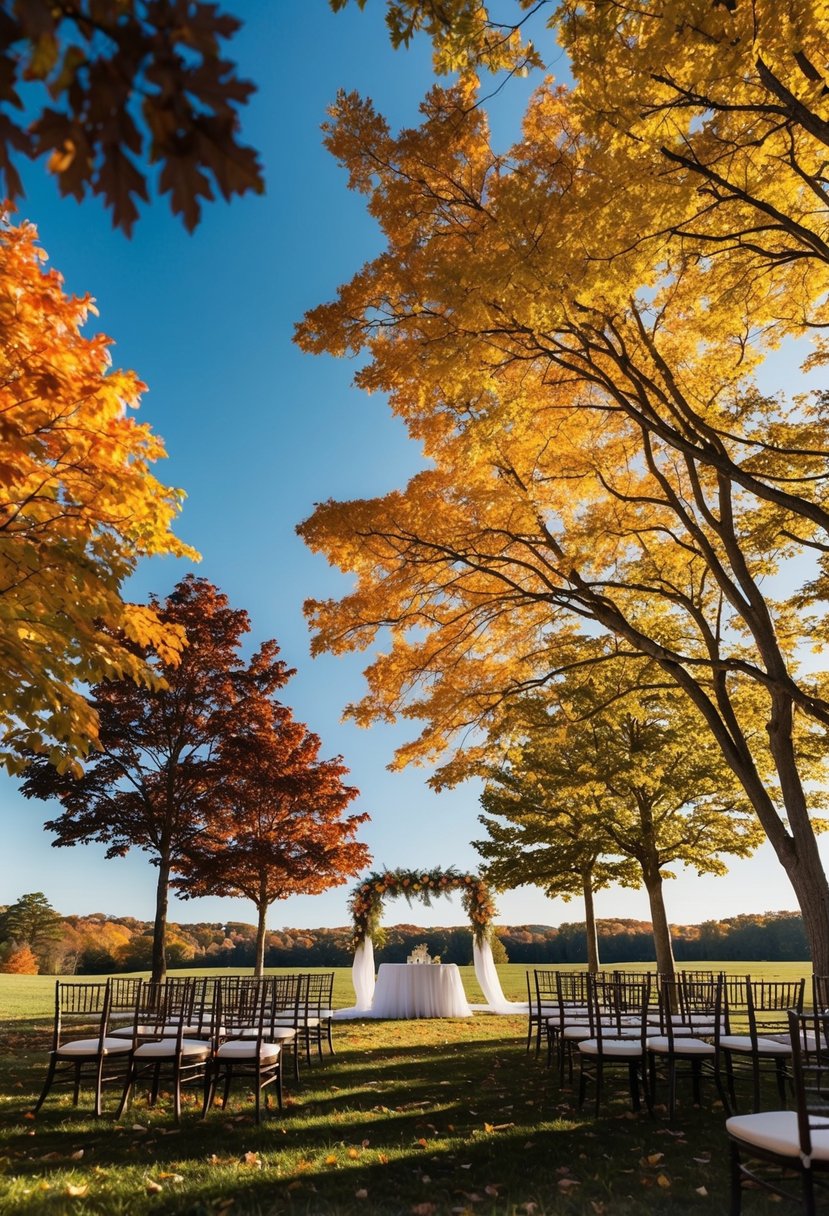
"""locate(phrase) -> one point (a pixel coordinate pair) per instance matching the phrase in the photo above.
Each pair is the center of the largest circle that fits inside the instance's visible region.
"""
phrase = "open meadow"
(422, 1118)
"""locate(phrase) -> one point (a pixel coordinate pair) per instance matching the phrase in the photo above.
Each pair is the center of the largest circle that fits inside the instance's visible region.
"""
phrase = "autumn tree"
(601, 767)
(536, 839)
(78, 507)
(599, 452)
(20, 960)
(151, 784)
(278, 827)
(124, 84)
(32, 922)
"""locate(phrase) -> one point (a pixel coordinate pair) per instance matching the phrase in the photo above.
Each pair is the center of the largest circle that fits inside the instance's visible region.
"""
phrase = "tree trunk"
(661, 929)
(259, 956)
(159, 966)
(590, 927)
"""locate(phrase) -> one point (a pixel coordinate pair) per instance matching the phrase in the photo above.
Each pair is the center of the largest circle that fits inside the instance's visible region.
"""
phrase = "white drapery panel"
(362, 973)
(487, 977)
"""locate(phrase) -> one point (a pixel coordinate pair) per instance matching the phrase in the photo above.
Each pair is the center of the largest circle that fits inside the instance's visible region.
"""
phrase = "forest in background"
(98, 944)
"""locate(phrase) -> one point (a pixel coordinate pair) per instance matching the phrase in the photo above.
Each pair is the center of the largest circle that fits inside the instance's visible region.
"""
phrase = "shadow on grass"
(419, 1119)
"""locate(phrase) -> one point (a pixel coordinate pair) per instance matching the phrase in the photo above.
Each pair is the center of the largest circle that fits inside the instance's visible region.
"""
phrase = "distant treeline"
(98, 944)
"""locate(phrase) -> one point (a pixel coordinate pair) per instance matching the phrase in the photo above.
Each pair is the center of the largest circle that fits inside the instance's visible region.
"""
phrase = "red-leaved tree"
(153, 784)
(278, 826)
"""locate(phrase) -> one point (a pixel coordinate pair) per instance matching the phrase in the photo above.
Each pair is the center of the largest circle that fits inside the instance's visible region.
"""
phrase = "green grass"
(423, 1118)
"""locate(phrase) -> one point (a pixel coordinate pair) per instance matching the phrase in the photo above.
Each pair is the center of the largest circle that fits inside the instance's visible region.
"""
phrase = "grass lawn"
(424, 1118)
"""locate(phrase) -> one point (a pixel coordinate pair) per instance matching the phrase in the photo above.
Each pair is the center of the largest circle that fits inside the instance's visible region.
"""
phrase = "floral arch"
(366, 906)
(366, 902)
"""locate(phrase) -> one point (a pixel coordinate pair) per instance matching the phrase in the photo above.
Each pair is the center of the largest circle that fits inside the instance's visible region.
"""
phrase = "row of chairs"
(714, 1023)
(723, 1025)
(196, 1029)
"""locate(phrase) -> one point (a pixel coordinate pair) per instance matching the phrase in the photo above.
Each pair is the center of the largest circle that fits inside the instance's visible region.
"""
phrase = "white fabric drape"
(362, 973)
(487, 977)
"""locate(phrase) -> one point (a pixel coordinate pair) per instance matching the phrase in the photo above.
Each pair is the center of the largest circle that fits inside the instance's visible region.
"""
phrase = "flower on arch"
(366, 901)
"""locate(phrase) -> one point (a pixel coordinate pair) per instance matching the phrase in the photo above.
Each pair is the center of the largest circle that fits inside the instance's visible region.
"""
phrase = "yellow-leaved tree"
(581, 382)
(79, 506)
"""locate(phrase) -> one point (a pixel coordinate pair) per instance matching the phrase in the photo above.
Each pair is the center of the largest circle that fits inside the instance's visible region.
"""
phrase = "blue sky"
(257, 433)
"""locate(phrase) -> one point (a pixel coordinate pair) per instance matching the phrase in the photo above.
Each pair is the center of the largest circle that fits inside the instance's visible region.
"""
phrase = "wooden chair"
(792, 1142)
(767, 1046)
(618, 1035)
(161, 1045)
(543, 1004)
(689, 1011)
(246, 1045)
(81, 1040)
(569, 1021)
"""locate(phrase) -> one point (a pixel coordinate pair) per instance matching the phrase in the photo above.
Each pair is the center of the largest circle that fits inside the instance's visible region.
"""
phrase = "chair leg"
(99, 1082)
(50, 1076)
(228, 1075)
(736, 1182)
(633, 1077)
(780, 1069)
(809, 1208)
(755, 1079)
(209, 1089)
(76, 1089)
(128, 1084)
(598, 1082)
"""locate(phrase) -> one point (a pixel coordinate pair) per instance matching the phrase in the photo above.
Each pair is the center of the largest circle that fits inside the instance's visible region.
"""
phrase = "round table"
(419, 990)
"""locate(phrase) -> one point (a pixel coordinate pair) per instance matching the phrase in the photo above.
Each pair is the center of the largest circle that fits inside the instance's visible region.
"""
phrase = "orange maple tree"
(21, 961)
(277, 826)
(127, 81)
(78, 507)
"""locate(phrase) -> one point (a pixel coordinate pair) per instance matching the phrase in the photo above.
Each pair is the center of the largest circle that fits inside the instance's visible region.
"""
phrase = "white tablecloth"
(419, 990)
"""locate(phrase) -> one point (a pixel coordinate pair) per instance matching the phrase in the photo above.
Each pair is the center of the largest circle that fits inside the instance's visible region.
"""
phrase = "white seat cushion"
(574, 1033)
(683, 1045)
(621, 1048)
(281, 1033)
(91, 1047)
(245, 1049)
(776, 1130)
(766, 1047)
(160, 1049)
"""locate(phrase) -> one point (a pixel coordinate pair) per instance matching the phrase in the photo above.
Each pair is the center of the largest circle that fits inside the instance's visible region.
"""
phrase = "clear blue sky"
(257, 433)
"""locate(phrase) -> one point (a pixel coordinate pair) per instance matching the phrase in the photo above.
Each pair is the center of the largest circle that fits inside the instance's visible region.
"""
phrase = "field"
(421, 1118)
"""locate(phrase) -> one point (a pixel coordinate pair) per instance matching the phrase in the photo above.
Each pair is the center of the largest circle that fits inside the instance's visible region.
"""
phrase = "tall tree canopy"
(278, 826)
(152, 783)
(79, 506)
(128, 82)
(578, 371)
(599, 770)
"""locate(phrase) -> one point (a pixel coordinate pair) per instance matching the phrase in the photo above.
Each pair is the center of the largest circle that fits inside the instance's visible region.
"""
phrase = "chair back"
(163, 1009)
(618, 1008)
(81, 1010)
(246, 1009)
(768, 1005)
(319, 989)
(810, 1075)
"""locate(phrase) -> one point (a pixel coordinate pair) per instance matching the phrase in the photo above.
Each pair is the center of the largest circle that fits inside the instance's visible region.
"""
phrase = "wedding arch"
(366, 907)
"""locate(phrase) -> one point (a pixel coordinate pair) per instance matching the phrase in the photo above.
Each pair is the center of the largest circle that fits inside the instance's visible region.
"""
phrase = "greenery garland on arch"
(366, 901)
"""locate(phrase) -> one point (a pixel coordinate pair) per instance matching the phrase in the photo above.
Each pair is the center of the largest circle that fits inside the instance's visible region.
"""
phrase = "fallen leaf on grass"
(78, 1192)
(353, 1154)
(382, 1158)
(701, 1190)
(655, 1158)
(529, 1208)
(77, 1155)
(423, 1209)
(153, 1188)
(564, 1184)
(664, 1181)
(252, 1159)
(331, 1159)
(361, 1194)
(172, 1177)
(492, 1188)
